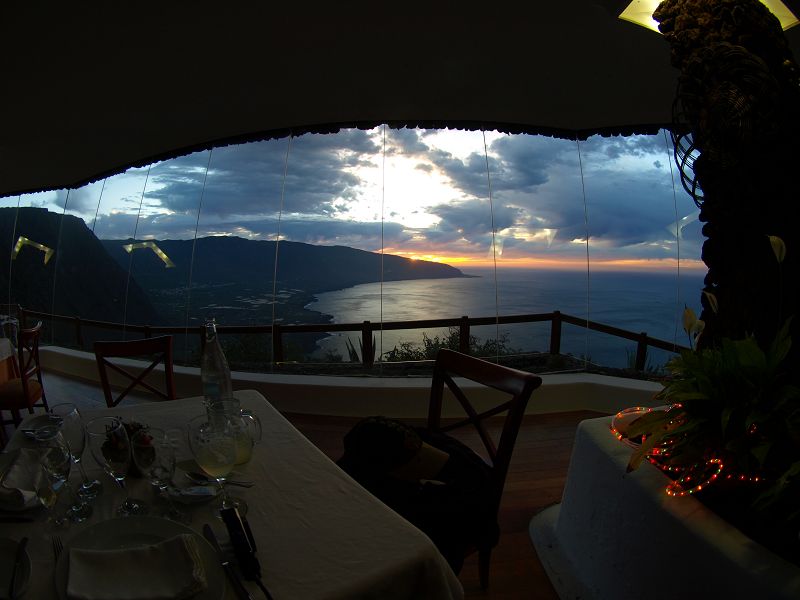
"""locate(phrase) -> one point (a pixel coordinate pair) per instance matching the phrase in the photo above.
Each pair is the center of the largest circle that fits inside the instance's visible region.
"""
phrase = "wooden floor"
(535, 480)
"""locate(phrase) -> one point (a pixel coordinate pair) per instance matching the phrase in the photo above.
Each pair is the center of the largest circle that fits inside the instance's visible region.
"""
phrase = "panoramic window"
(387, 237)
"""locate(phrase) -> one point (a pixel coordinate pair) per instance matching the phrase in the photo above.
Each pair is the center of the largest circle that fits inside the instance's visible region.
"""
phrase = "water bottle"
(214, 371)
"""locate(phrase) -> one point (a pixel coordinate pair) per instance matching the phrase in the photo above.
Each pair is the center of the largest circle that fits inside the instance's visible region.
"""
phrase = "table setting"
(157, 507)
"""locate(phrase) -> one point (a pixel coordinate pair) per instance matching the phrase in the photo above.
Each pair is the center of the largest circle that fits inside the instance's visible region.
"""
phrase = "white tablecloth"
(6, 349)
(319, 534)
(6, 359)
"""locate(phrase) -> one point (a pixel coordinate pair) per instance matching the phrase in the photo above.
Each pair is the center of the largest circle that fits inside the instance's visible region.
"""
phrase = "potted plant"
(729, 432)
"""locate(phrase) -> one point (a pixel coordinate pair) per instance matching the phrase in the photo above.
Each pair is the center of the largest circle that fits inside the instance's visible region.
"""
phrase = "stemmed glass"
(213, 445)
(56, 460)
(111, 448)
(75, 435)
(154, 456)
(246, 426)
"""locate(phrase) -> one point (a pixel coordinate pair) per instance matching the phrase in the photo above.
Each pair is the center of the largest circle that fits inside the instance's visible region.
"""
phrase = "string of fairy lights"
(685, 480)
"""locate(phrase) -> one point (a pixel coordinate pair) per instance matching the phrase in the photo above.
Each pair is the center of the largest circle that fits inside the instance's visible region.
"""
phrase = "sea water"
(651, 302)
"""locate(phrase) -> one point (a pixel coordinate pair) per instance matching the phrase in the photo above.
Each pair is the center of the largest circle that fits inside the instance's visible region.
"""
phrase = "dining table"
(317, 532)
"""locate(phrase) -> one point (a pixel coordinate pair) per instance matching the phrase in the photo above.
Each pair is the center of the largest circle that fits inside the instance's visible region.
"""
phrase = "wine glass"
(55, 460)
(246, 426)
(75, 435)
(154, 456)
(111, 448)
(213, 445)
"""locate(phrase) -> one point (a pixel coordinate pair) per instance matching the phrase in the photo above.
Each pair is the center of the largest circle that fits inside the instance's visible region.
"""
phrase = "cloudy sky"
(416, 193)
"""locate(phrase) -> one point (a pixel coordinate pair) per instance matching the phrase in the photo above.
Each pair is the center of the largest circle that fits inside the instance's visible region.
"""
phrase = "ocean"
(651, 302)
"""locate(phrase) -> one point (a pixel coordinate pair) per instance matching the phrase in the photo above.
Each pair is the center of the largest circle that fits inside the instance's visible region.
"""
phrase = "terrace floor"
(535, 480)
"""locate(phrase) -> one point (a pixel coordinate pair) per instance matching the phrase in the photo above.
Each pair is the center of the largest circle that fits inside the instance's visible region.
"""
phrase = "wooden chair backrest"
(156, 349)
(28, 355)
(517, 387)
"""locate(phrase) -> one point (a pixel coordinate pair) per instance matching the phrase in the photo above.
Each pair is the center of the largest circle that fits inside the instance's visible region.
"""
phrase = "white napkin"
(171, 569)
(21, 477)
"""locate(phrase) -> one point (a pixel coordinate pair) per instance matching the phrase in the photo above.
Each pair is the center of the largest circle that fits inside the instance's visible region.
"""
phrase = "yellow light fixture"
(23, 241)
(154, 247)
(640, 12)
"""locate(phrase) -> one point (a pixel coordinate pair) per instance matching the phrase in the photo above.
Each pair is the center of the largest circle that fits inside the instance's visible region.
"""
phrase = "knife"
(12, 586)
(238, 586)
(244, 545)
(203, 479)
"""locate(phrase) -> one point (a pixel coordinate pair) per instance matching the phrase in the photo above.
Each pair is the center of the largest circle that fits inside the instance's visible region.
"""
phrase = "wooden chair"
(156, 350)
(516, 387)
(25, 389)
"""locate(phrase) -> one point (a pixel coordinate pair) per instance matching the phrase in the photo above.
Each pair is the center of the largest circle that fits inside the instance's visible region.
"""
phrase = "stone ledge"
(401, 397)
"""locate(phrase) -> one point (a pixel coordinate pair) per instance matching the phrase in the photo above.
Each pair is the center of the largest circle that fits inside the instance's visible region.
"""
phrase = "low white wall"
(618, 535)
(402, 397)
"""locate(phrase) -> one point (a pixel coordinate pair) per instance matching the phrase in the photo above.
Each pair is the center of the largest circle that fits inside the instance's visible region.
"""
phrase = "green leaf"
(648, 423)
(760, 452)
(645, 449)
(688, 396)
(771, 494)
(780, 346)
(749, 355)
(725, 417)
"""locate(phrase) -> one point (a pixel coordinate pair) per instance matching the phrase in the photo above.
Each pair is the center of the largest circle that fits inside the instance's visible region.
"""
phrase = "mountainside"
(80, 275)
(232, 260)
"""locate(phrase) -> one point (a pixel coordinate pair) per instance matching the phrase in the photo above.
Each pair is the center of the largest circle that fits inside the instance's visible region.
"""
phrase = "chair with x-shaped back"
(25, 390)
(515, 389)
(133, 373)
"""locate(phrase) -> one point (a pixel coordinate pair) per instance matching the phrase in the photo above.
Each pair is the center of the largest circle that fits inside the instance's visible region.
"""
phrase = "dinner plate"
(8, 554)
(130, 532)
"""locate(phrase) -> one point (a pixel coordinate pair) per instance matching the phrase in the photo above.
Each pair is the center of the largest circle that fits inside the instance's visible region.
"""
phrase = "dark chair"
(156, 350)
(25, 389)
(516, 388)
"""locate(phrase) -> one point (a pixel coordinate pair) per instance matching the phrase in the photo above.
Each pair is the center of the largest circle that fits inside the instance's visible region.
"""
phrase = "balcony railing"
(367, 330)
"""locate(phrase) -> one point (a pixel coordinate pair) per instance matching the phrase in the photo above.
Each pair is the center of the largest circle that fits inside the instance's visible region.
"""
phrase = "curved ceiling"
(93, 90)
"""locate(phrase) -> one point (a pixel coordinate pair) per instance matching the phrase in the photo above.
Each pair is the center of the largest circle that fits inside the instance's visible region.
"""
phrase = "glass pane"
(633, 216)
(31, 256)
(115, 224)
(230, 198)
(331, 200)
(387, 226)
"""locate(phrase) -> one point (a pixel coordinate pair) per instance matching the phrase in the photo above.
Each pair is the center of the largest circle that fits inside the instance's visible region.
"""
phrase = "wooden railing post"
(555, 334)
(463, 335)
(78, 333)
(641, 352)
(367, 350)
(277, 344)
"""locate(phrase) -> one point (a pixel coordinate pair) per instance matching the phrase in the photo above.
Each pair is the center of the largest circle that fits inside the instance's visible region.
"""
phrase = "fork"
(58, 546)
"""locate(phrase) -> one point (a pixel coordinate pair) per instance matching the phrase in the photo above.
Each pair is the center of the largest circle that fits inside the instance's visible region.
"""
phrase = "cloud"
(620, 146)
(474, 217)
(249, 178)
(518, 163)
(406, 141)
(538, 189)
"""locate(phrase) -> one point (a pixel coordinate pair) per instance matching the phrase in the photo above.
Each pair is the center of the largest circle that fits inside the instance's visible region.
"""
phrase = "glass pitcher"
(245, 425)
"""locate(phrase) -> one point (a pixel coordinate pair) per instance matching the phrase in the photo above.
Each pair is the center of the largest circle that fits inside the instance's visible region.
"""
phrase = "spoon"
(202, 479)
